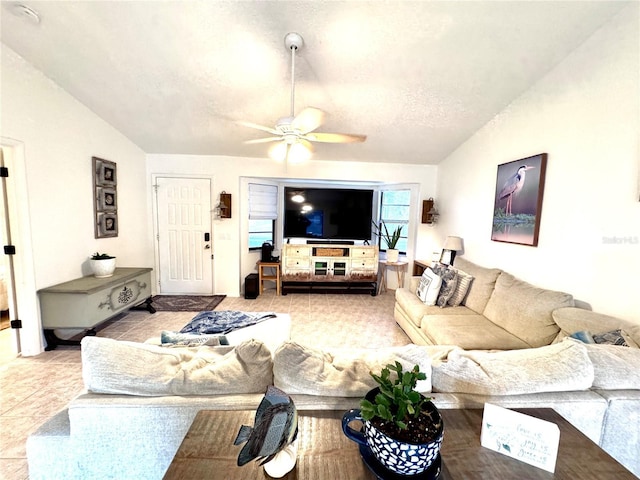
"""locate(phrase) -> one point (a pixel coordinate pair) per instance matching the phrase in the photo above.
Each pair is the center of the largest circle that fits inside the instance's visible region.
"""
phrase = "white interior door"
(184, 234)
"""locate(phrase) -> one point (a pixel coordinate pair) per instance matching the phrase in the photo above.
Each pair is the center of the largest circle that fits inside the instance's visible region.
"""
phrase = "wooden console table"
(325, 453)
(88, 301)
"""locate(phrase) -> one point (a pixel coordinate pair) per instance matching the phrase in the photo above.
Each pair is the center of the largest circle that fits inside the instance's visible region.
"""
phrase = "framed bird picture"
(518, 200)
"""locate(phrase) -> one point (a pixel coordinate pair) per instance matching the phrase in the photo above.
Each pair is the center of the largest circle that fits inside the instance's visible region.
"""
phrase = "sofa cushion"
(573, 319)
(300, 369)
(471, 331)
(560, 367)
(525, 310)
(614, 368)
(429, 287)
(414, 309)
(484, 280)
(118, 367)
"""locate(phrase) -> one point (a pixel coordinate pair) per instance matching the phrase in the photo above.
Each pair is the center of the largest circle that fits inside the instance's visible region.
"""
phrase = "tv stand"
(329, 267)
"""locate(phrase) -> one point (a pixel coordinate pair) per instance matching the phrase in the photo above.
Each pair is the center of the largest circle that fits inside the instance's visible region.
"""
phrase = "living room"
(583, 113)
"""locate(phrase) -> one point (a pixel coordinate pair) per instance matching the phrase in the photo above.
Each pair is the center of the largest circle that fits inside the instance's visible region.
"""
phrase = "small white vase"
(103, 268)
(392, 255)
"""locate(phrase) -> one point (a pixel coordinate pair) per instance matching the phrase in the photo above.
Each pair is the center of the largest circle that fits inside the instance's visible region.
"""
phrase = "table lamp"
(451, 246)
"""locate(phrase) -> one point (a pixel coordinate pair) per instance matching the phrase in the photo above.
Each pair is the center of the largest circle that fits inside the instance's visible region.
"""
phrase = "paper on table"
(520, 436)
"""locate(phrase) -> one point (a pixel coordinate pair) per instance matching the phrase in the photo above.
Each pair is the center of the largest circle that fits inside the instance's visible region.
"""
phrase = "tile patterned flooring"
(32, 389)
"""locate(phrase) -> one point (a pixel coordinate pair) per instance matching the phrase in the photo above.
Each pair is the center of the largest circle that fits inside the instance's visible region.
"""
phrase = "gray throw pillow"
(449, 282)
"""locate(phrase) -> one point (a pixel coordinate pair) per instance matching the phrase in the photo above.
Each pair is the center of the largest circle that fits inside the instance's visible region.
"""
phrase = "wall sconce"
(451, 246)
(429, 213)
(223, 209)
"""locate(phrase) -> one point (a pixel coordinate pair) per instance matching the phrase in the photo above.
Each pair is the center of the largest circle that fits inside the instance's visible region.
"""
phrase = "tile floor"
(33, 389)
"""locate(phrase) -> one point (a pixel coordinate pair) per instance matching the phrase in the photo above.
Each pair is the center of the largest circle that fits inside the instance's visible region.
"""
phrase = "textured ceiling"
(417, 77)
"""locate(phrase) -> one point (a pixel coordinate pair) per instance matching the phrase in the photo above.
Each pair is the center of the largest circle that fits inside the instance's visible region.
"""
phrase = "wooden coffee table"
(325, 453)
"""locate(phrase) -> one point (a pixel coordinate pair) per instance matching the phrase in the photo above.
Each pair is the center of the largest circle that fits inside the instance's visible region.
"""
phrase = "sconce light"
(223, 209)
(429, 213)
(451, 246)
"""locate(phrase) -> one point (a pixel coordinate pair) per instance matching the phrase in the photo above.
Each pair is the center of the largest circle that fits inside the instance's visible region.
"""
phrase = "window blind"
(263, 202)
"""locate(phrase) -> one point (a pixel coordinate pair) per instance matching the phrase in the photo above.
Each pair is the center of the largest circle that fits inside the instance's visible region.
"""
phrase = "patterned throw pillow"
(462, 287)
(614, 337)
(449, 282)
(429, 287)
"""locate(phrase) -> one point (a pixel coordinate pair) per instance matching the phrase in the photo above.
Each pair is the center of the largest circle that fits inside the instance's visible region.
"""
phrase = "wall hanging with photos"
(105, 203)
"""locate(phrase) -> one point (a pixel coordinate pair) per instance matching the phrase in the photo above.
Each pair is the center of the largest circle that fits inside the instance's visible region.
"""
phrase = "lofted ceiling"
(417, 77)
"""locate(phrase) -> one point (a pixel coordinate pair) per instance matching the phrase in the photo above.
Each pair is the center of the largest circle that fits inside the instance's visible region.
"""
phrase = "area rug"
(186, 303)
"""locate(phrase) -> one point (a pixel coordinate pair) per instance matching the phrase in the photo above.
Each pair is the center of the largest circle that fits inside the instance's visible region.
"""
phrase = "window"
(394, 212)
(260, 231)
(263, 211)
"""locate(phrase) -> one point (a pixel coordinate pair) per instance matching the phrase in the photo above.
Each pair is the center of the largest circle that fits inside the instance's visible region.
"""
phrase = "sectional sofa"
(140, 399)
(502, 341)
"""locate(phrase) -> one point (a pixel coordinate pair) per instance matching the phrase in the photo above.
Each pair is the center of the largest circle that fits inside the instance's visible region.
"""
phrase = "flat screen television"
(328, 213)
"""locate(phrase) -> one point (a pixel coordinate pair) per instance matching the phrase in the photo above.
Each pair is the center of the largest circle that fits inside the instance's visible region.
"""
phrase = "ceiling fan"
(296, 132)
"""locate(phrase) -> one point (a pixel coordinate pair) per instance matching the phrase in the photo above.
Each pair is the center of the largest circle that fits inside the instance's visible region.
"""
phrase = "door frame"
(28, 340)
(156, 236)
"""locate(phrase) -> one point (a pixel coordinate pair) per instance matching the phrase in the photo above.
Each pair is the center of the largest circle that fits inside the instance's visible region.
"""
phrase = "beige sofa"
(499, 311)
(140, 399)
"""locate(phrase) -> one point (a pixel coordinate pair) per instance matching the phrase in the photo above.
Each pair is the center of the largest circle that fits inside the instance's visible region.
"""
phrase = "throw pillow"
(429, 287)
(614, 337)
(584, 336)
(462, 287)
(449, 282)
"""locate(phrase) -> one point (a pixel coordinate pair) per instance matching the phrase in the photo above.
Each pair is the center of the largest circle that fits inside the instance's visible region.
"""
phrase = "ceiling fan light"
(278, 151)
(299, 153)
(298, 198)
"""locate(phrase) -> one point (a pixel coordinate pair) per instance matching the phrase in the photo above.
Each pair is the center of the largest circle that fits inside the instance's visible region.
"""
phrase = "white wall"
(232, 260)
(585, 114)
(59, 136)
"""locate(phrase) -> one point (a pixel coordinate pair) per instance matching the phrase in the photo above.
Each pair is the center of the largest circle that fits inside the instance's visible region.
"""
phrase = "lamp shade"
(453, 243)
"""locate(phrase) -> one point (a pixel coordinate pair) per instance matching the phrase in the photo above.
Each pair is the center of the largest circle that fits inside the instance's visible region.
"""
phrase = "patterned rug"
(186, 303)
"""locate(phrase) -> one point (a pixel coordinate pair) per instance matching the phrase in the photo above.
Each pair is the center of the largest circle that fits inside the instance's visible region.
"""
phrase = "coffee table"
(325, 453)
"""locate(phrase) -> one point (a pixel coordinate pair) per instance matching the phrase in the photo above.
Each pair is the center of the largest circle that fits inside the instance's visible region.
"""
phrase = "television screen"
(328, 213)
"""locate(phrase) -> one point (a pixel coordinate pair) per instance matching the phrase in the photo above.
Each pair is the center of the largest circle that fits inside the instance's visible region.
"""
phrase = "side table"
(273, 276)
(399, 267)
(419, 266)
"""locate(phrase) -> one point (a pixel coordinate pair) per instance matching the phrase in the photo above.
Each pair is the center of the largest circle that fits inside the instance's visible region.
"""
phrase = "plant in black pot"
(402, 429)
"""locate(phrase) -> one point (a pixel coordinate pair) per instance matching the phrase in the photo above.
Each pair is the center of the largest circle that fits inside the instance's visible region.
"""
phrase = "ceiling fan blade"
(335, 137)
(308, 119)
(262, 140)
(271, 130)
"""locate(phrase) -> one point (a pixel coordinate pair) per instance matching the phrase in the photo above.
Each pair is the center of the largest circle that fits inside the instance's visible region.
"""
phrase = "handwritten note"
(520, 436)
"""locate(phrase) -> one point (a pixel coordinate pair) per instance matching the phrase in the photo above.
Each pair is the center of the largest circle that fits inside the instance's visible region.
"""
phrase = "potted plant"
(103, 265)
(391, 239)
(402, 428)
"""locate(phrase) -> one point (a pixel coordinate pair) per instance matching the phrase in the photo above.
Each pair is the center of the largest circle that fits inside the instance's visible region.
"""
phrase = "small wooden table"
(399, 267)
(273, 276)
(325, 453)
